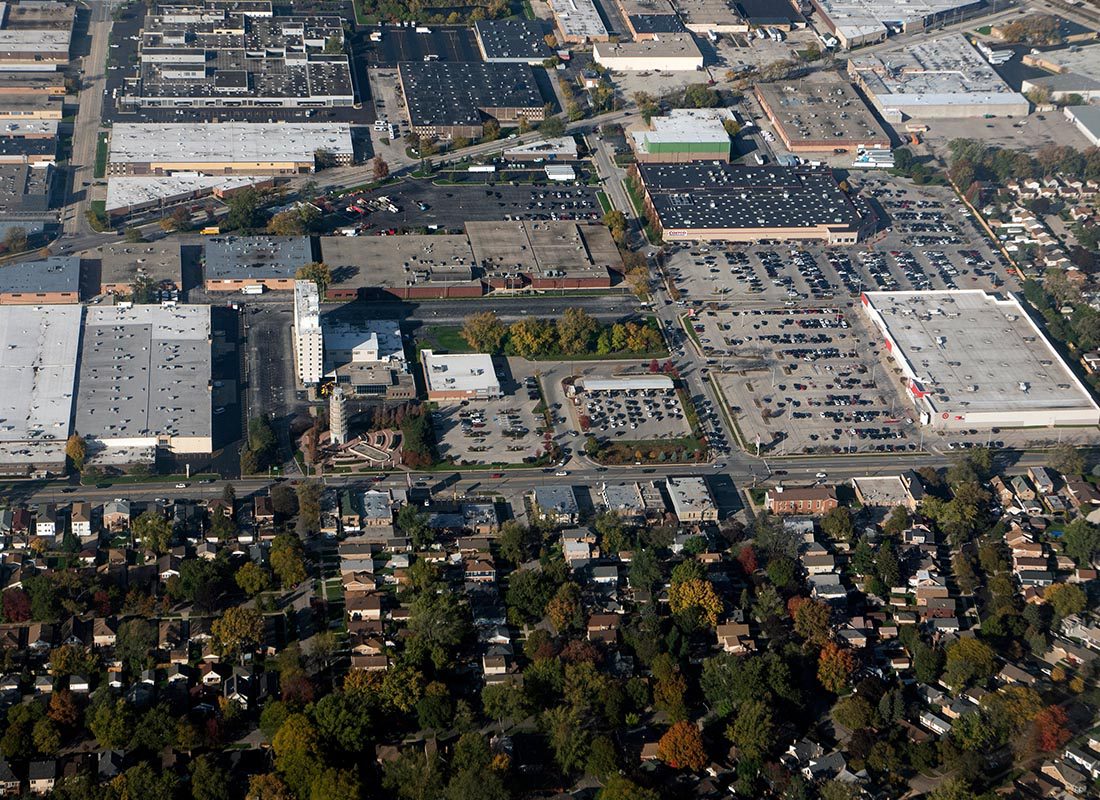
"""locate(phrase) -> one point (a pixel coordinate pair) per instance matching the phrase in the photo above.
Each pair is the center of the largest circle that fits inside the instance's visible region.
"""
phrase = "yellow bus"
(212, 230)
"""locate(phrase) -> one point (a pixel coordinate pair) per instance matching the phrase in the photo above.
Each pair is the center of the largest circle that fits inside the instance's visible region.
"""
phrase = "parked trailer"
(482, 168)
(254, 288)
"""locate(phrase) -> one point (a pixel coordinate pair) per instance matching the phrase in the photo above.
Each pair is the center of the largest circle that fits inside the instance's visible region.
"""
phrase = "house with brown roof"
(811, 500)
(734, 637)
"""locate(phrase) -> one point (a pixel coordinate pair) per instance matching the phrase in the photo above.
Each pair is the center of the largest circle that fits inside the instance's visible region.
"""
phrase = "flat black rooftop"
(766, 12)
(441, 93)
(513, 39)
(656, 23)
(709, 196)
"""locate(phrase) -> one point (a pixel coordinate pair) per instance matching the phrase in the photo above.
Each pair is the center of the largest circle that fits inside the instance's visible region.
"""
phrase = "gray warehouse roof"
(227, 142)
(54, 274)
(239, 258)
(145, 372)
(441, 93)
(512, 40)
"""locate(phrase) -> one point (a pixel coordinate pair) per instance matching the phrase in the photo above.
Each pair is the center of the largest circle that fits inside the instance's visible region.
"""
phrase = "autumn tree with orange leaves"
(834, 666)
(682, 747)
(1049, 728)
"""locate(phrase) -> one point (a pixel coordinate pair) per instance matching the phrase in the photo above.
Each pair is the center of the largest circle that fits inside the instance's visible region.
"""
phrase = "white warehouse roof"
(206, 142)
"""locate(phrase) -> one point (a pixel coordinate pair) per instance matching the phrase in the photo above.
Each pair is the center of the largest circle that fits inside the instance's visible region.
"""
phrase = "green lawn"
(605, 204)
(101, 156)
(97, 215)
(443, 337)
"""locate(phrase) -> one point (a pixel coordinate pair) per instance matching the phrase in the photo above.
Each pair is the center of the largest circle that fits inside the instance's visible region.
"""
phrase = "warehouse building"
(234, 262)
(559, 148)
(35, 32)
(309, 345)
(145, 378)
(216, 56)
(38, 363)
(579, 21)
(128, 196)
(710, 16)
(25, 196)
(666, 52)
(738, 203)
(544, 255)
(1075, 71)
(30, 150)
(861, 22)
(453, 377)
(22, 107)
(115, 267)
(411, 267)
(451, 98)
(941, 78)
(821, 116)
(648, 18)
(512, 41)
(684, 135)
(226, 148)
(1087, 120)
(51, 281)
(973, 360)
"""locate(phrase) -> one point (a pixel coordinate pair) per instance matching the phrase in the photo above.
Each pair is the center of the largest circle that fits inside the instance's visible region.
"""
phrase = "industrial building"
(51, 281)
(710, 16)
(544, 255)
(454, 377)
(309, 346)
(512, 41)
(413, 266)
(942, 78)
(560, 148)
(127, 196)
(684, 134)
(821, 116)
(648, 18)
(35, 32)
(1087, 120)
(665, 52)
(861, 22)
(115, 267)
(25, 196)
(451, 98)
(226, 148)
(691, 500)
(1074, 71)
(579, 21)
(38, 361)
(234, 262)
(22, 107)
(738, 203)
(210, 55)
(973, 360)
(145, 378)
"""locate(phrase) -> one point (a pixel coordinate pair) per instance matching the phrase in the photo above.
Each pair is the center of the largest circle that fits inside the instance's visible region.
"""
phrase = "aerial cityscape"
(531, 399)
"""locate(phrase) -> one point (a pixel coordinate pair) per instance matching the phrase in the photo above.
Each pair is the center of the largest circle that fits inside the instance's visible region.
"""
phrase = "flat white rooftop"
(227, 142)
(125, 192)
(145, 373)
(38, 356)
(579, 18)
(858, 18)
(472, 373)
(968, 352)
(689, 125)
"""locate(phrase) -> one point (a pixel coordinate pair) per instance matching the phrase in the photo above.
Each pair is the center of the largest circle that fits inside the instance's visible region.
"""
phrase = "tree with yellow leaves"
(682, 747)
(697, 593)
(834, 665)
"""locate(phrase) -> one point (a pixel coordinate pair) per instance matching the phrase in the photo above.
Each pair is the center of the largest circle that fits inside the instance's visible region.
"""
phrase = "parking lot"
(805, 380)
(498, 431)
(421, 203)
(634, 415)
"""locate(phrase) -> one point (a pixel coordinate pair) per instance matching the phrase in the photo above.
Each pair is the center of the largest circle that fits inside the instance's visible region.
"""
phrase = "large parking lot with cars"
(630, 415)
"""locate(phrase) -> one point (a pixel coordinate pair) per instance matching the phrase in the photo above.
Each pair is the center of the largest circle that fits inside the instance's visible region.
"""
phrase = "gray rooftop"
(512, 40)
(227, 142)
(145, 372)
(445, 93)
(238, 258)
(558, 500)
(54, 274)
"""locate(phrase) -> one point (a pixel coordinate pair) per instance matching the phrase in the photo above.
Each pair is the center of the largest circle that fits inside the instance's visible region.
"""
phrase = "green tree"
(76, 450)
(253, 579)
(413, 522)
(110, 721)
(619, 787)
(484, 332)
(208, 780)
(1065, 598)
(153, 530)
(1081, 540)
(287, 560)
(552, 127)
(1067, 459)
(238, 629)
(244, 210)
(567, 737)
(854, 712)
(968, 660)
(318, 272)
(135, 641)
(699, 95)
(752, 730)
(309, 507)
(576, 331)
(414, 775)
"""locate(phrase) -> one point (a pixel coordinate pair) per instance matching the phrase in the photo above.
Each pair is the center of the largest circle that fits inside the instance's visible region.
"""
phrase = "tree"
(63, 709)
(208, 780)
(1066, 459)
(46, 736)
(110, 722)
(576, 330)
(811, 621)
(344, 721)
(1050, 729)
(154, 531)
(438, 622)
(1081, 541)
(752, 731)
(699, 95)
(834, 666)
(238, 629)
(297, 753)
(299, 221)
(244, 207)
(567, 736)
(854, 712)
(681, 747)
(619, 787)
(565, 610)
(1065, 598)
(253, 579)
(318, 272)
(528, 593)
(837, 524)
(380, 168)
(135, 641)
(484, 332)
(76, 450)
(490, 130)
(309, 506)
(15, 240)
(968, 660)
(287, 560)
(615, 221)
(532, 337)
(414, 775)
(696, 594)
(552, 127)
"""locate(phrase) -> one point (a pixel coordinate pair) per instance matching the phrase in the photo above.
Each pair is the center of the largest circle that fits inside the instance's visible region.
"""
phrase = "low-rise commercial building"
(941, 78)
(1074, 71)
(410, 267)
(52, 281)
(860, 22)
(115, 267)
(460, 376)
(826, 115)
(226, 148)
(127, 196)
(544, 255)
(454, 98)
(512, 41)
(234, 262)
(972, 360)
(692, 500)
(367, 360)
(1087, 120)
(738, 203)
(579, 21)
(646, 19)
(684, 135)
(665, 52)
